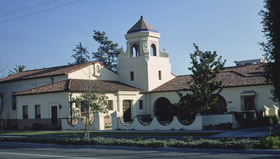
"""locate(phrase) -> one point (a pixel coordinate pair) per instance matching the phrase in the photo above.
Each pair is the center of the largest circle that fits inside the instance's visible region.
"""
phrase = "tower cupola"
(141, 25)
(143, 65)
(142, 40)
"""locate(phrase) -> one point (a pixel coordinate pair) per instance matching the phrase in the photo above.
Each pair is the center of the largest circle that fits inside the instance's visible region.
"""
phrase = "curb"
(136, 148)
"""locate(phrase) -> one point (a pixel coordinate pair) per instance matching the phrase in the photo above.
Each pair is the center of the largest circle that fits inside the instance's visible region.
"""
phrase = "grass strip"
(115, 133)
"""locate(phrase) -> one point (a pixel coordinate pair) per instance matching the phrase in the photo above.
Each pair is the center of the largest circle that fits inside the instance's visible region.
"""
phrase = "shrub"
(221, 126)
(261, 121)
(188, 138)
(227, 139)
(138, 139)
(223, 143)
(270, 142)
(36, 126)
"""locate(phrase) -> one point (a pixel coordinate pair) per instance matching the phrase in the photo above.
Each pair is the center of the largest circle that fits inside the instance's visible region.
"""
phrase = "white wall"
(232, 96)
(156, 64)
(120, 96)
(92, 73)
(138, 65)
(145, 66)
(17, 86)
(45, 101)
(134, 97)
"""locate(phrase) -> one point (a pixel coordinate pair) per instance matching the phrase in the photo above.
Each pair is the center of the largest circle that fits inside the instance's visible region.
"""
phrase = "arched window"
(153, 50)
(134, 50)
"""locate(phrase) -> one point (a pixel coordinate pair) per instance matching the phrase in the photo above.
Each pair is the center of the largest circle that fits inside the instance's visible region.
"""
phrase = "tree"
(17, 69)
(3, 69)
(91, 103)
(107, 52)
(204, 86)
(81, 55)
(271, 30)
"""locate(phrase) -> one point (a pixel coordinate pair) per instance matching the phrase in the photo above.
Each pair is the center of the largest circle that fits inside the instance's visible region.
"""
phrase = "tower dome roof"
(141, 25)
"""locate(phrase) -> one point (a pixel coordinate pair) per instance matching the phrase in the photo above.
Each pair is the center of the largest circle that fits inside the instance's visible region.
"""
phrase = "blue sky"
(45, 36)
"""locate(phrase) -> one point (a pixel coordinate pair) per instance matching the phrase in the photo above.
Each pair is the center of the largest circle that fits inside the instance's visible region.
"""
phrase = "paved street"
(43, 151)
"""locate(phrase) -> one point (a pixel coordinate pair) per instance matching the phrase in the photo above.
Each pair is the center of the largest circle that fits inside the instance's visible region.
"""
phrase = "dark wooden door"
(249, 102)
(54, 115)
(220, 107)
(127, 110)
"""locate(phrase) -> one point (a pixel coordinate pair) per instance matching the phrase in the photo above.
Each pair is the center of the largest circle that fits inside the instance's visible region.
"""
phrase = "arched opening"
(153, 50)
(134, 51)
(220, 107)
(164, 110)
(187, 109)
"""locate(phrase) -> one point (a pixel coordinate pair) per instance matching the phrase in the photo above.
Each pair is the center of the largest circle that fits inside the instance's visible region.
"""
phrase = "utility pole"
(87, 131)
(1, 109)
(89, 96)
(2, 123)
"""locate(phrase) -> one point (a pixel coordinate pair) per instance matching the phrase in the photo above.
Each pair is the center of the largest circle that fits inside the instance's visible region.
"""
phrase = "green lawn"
(115, 133)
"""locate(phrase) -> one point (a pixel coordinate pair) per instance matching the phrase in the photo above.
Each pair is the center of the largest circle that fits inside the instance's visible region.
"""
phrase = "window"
(140, 104)
(25, 112)
(110, 105)
(14, 102)
(248, 100)
(153, 50)
(37, 111)
(134, 51)
(132, 76)
(1, 102)
(159, 75)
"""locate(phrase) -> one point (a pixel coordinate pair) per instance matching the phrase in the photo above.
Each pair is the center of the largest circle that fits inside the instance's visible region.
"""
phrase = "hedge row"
(269, 142)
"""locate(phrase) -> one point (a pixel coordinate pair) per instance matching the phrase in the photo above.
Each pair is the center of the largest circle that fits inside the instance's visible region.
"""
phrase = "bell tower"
(143, 65)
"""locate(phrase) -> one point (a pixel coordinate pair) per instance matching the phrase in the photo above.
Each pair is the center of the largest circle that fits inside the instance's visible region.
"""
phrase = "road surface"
(52, 151)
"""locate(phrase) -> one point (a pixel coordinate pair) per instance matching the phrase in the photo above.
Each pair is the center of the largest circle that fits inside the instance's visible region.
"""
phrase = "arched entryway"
(164, 109)
(220, 107)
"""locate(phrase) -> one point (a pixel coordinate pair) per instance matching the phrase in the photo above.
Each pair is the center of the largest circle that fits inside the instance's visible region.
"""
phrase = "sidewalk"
(250, 132)
(240, 133)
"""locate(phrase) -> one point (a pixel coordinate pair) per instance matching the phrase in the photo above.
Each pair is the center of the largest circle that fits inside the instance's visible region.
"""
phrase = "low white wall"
(155, 125)
(219, 119)
(198, 123)
(98, 123)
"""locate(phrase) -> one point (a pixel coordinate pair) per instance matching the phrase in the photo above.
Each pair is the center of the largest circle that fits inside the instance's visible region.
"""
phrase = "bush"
(270, 142)
(221, 126)
(225, 139)
(223, 143)
(262, 121)
(188, 138)
(268, 120)
(36, 126)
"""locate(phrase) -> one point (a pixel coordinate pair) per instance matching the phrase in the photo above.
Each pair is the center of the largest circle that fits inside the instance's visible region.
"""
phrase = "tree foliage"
(17, 69)
(81, 55)
(271, 30)
(107, 52)
(204, 86)
(91, 103)
(94, 102)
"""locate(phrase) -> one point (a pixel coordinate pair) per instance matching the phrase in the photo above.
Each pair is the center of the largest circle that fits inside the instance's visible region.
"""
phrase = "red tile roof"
(76, 85)
(238, 76)
(46, 72)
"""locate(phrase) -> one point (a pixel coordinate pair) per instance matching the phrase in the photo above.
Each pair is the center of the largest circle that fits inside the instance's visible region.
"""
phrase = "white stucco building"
(142, 85)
